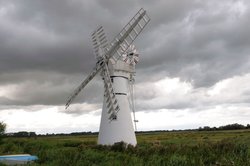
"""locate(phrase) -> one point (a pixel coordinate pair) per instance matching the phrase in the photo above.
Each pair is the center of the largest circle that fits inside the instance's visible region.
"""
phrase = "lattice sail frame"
(111, 100)
(128, 34)
(100, 42)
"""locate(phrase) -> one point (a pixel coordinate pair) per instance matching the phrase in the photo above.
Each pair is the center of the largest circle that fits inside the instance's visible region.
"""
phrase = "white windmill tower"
(116, 63)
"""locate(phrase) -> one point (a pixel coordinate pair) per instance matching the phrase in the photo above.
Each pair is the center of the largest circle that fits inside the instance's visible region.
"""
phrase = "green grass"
(155, 148)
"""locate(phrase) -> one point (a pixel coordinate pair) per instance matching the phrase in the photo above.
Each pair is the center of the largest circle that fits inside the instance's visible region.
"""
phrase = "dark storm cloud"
(48, 35)
(46, 48)
(205, 45)
(34, 42)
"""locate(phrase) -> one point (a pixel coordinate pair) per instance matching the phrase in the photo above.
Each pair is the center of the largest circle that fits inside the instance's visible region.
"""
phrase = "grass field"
(154, 148)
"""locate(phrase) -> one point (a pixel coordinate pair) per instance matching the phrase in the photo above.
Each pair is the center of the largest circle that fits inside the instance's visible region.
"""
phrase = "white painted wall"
(121, 129)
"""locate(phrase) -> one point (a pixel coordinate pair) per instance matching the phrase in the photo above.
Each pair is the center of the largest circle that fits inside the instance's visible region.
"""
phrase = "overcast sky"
(194, 67)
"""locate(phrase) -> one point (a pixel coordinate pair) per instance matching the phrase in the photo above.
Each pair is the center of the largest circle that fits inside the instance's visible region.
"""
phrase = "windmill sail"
(121, 42)
(100, 42)
(82, 85)
(111, 101)
(128, 34)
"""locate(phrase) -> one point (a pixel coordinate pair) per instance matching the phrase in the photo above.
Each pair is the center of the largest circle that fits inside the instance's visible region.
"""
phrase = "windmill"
(116, 63)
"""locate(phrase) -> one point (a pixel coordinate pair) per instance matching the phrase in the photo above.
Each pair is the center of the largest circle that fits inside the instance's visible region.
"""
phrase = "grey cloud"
(149, 105)
(6, 101)
(79, 109)
(36, 88)
(46, 48)
(217, 46)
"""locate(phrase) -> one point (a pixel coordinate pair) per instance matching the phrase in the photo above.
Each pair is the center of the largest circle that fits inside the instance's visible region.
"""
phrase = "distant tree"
(21, 134)
(248, 126)
(214, 128)
(2, 130)
(234, 126)
(207, 128)
(32, 134)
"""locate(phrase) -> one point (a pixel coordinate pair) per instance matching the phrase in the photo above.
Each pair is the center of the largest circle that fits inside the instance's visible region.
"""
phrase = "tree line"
(234, 126)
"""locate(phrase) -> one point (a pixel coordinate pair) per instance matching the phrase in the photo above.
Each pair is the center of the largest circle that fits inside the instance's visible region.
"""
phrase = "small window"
(113, 117)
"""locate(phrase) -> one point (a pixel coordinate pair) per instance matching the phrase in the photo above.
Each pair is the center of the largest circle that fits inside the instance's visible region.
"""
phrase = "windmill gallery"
(116, 64)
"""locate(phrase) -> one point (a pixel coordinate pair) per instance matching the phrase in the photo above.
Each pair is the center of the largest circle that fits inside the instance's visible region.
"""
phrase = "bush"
(119, 147)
